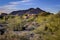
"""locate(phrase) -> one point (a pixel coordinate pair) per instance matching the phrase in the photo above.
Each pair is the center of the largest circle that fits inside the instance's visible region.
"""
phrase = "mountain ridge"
(28, 11)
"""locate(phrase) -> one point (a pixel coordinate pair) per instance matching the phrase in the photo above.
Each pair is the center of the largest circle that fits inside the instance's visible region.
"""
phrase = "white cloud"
(7, 8)
(18, 2)
(11, 6)
(14, 3)
(25, 0)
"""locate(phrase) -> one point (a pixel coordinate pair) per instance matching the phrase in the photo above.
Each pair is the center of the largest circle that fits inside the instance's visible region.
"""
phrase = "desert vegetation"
(42, 26)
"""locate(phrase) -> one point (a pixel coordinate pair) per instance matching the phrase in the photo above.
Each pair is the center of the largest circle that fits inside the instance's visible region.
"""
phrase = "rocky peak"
(38, 9)
(31, 9)
(28, 11)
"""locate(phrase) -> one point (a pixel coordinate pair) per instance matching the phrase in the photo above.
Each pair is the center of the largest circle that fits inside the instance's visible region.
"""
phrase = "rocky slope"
(28, 11)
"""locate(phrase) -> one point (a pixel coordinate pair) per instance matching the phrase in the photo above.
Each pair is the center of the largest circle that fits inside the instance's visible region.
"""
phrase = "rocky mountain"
(4, 14)
(28, 11)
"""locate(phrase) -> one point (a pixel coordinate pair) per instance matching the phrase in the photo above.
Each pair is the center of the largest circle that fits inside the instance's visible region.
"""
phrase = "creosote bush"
(48, 29)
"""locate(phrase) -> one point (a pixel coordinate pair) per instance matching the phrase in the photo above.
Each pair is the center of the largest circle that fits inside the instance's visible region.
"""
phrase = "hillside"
(34, 24)
(28, 11)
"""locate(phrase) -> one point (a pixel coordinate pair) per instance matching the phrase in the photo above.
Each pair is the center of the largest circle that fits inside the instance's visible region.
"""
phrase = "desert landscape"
(29, 24)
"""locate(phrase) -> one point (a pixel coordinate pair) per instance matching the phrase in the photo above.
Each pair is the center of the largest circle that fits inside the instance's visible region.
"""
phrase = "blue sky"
(12, 5)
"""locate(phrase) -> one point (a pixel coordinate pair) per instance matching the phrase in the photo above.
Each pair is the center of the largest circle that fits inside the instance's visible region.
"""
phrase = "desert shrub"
(52, 23)
(2, 20)
(45, 13)
(14, 23)
(49, 28)
(12, 36)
